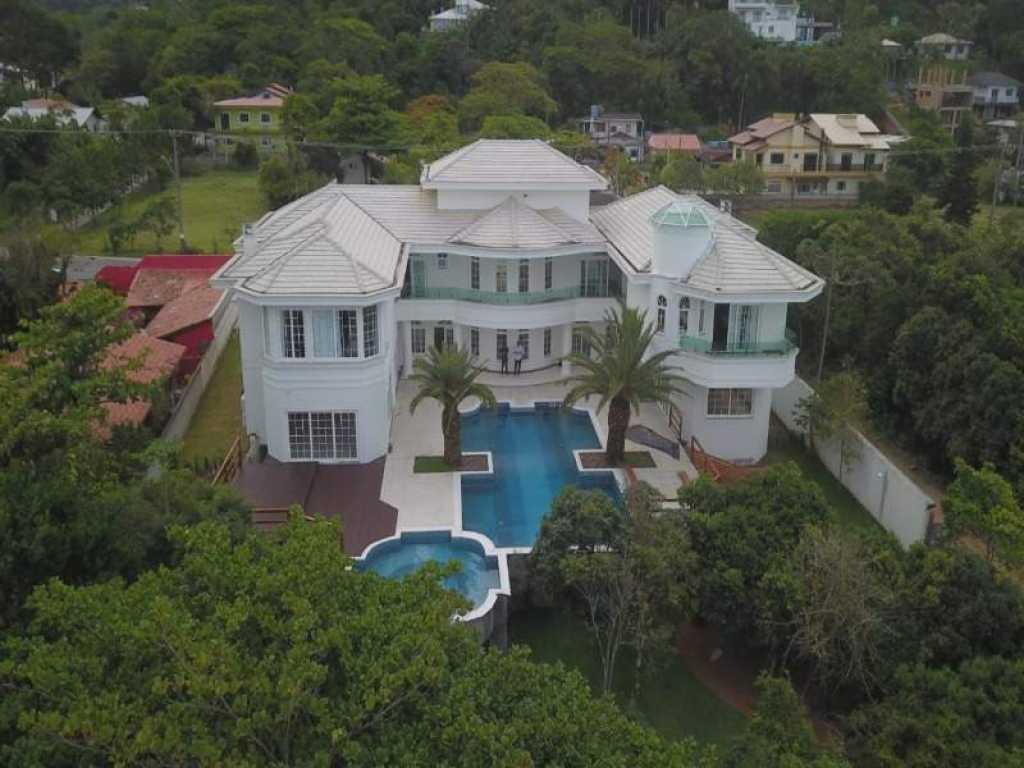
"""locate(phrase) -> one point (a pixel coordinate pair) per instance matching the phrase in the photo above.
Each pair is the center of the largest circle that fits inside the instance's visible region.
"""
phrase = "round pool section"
(479, 577)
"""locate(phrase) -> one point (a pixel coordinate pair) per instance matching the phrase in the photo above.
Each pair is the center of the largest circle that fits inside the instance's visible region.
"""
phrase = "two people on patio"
(518, 355)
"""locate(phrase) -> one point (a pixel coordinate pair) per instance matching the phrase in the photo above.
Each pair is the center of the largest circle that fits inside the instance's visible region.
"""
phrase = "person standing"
(503, 358)
(517, 356)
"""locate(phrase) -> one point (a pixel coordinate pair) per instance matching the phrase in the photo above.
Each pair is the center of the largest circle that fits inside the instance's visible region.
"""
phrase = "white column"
(566, 349)
(407, 346)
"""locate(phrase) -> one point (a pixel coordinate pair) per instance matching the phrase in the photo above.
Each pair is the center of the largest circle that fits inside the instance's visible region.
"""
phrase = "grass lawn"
(671, 700)
(784, 447)
(218, 420)
(215, 206)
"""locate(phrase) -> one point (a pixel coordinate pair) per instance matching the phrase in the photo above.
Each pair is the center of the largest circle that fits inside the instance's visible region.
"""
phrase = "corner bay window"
(334, 333)
(730, 402)
(322, 435)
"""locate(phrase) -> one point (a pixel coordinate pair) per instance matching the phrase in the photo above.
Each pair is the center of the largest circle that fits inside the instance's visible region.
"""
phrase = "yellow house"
(818, 155)
(257, 114)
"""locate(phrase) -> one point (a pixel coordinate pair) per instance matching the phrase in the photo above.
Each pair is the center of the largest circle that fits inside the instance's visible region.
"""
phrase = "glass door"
(419, 278)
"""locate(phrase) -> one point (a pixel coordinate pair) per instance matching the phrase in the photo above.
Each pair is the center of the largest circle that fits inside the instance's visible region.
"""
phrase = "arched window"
(684, 316)
(662, 306)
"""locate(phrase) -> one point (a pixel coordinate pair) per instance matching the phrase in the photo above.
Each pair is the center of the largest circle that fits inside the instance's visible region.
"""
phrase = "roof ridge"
(369, 215)
(279, 261)
(452, 158)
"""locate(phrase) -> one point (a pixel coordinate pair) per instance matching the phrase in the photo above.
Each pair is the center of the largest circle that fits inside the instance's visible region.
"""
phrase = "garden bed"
(633, 460)
(434, 464)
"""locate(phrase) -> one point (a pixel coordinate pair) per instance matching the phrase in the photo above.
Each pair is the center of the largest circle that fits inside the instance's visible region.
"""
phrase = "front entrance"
(444, 336)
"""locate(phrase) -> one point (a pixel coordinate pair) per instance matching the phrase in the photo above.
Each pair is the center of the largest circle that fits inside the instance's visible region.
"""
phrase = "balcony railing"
(854, 167)
(784, 346)
(496, 297)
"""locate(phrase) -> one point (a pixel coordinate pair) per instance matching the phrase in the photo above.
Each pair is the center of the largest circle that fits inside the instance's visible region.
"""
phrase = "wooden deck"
(348, 493)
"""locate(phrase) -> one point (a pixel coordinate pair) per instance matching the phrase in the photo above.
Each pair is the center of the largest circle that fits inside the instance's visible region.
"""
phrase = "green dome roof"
(680, 214)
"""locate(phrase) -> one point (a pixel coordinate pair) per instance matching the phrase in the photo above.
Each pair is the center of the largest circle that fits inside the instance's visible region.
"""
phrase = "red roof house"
(674, 142)
(155, 359)
(188, 320)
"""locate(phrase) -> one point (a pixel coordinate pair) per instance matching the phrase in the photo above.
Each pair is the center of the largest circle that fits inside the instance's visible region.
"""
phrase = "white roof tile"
(736, 263)
(514, 225)
(497, 162)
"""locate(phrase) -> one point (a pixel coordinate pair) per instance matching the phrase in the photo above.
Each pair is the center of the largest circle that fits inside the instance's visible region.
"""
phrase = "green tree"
(834, 411)
(959, 191)
(501, 88)
(622, 372)
(31, 267)
(277, 651)
(514, 127)
(361, 112)
(285, 177)
(159, 217)
(299, 116)
(779, 734)
(449, 376)
(980, 502)
(682, 173)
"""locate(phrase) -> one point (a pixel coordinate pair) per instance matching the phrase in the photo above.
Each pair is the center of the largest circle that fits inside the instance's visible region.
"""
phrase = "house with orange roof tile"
(258, 115)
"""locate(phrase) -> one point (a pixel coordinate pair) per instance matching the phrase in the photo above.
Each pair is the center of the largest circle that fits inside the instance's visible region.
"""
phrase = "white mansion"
(340, 290)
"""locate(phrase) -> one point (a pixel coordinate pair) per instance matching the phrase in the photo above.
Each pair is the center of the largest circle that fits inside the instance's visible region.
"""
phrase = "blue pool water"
(399, 558)
(532, 453)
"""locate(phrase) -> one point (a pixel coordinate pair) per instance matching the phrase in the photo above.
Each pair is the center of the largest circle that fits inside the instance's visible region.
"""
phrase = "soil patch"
(432, 464)
(633, 460)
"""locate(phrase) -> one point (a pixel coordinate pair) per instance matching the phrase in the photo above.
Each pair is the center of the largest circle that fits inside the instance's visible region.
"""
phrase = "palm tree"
(449, 376)
(619, 374)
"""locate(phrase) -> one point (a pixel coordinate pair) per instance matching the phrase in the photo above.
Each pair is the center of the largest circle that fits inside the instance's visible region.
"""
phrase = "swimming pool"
(398, 557)
(532, 459)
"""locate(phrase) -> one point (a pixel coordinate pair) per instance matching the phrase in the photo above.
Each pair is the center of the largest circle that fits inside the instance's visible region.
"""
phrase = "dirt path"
(730, 677)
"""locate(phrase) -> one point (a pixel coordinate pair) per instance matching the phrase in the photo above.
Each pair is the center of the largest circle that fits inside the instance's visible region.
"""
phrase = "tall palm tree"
(449, 376)
(618, 373)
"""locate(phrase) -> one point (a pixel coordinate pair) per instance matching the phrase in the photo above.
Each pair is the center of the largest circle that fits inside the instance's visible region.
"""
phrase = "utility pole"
(995, 186)
(177, 181)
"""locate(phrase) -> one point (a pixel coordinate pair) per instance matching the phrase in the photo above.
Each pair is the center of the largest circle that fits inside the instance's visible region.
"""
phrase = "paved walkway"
(428, 500)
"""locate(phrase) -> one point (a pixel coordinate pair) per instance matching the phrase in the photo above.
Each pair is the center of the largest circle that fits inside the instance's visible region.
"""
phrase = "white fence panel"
(892, 498)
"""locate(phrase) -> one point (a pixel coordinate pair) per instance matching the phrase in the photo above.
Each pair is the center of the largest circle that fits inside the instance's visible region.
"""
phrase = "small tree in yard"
(449, 376)
(632, 569)
(159, 218)
(981, 502)
(833, 411)
(621, 374)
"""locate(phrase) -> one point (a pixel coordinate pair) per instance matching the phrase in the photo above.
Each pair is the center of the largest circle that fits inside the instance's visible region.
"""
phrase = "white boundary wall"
(224, 321)
(891, 497)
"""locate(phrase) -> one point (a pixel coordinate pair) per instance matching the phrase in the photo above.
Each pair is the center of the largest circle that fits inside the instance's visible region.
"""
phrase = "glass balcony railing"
(495, 297)
(784, 346)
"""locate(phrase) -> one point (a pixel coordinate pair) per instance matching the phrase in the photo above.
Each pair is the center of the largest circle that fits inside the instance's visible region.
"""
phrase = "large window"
(442, 261)
(524, 342)
(580, 345)
(419, 340)
(524, 275)
(684, 315)
(777, 158)
(730, 402)
(264, 117)
(371, 338)
(547, 342)
(594, 278)
(474, 273)
(662, 307)
(500, 342)
(548, 269)
(474, 342)
(293, 333)
(322, 435)
(501, 278)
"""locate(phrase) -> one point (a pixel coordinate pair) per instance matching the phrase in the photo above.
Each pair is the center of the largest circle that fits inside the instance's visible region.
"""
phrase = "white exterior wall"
(576, 203)
(767, 19)
(740, 439)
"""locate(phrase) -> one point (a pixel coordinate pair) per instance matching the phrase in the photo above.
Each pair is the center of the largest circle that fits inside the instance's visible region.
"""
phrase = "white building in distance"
(456, 16)
(340, 291)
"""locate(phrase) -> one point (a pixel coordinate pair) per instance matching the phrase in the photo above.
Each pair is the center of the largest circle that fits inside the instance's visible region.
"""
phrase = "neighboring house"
(259, 114)
(946, 46)
(674, 143)
(459, 14)
(624, 130)
(153, 360)
(996, 95)
(170, 295)
(64, 112)
(820, 155)
(142, 102)
(342, 290)
(779, 21)
(946, 91)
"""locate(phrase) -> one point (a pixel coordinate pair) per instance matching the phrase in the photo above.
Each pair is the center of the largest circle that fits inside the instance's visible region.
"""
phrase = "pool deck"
(428, 500)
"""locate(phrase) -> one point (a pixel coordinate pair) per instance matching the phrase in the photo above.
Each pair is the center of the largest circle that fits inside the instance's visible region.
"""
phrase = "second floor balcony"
(505, 298)
(706, 346)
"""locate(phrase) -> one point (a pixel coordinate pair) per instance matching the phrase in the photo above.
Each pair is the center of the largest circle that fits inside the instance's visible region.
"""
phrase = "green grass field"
(671, 700)
(218, 420)
(215, 206)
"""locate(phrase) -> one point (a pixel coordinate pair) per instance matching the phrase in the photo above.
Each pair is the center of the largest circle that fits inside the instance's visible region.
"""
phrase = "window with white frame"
(264, 117)
(474, 342)
(777, 158)
(442, 261)
(474, 273)
(684, 315)
(548, 273)
(322, 435)
(547, 342)
(243, 117)
(580, 344)
(524, 275)
(730, 402)
(348, 333)
(662, 307)
(371, 337)
(293, 332)
(501, 278)
(500, 342)
(524, 342)
(419, 340)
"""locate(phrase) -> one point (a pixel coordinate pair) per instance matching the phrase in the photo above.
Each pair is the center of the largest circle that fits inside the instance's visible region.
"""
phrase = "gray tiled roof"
(736, 264)
(514, 225)
(510, 162)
